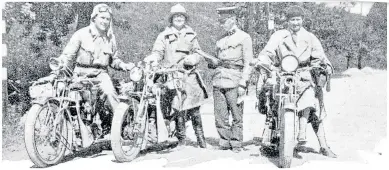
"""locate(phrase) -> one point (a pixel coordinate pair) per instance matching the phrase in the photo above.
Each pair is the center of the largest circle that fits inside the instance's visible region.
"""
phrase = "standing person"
(234, 53)
(295, 40)
(176, 46)
(93, 49)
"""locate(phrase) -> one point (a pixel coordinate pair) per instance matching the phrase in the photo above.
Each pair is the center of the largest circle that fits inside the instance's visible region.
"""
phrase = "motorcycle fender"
(41, 101)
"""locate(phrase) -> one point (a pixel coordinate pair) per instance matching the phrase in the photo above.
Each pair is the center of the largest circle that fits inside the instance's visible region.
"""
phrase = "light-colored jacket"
(308, 48)
(171, 48)
(88, 47)
(235, 49)
(309, 51)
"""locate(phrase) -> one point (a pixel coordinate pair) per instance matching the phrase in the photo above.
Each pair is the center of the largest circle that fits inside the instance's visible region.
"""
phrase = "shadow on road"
(273, 155)
(93, 151)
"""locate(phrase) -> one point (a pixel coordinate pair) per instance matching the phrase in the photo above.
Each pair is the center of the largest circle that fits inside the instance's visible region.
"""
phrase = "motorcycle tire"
(287, 139)
(30, 136)
(117, 137)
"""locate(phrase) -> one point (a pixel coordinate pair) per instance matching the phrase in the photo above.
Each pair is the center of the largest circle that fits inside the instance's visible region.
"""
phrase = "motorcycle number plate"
(42, 90)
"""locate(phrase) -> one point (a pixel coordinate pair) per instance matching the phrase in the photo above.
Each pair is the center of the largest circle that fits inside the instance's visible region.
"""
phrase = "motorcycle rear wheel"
(122, 131)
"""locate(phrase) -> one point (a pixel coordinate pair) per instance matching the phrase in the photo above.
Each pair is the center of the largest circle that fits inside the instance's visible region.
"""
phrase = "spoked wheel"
(128, 132)
(46, 134)
(287, 139)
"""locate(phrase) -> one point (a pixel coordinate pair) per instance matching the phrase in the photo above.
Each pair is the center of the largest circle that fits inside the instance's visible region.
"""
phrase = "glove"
(150, 59)
(191, 60)
(49, 78)
(254, 62)
(242, 88)
(128, 66)
(329, 70)
(241, 93)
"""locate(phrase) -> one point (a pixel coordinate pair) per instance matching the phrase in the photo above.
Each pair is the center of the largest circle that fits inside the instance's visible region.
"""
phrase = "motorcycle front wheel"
(46, 134)
(128, 132)
(287, 139)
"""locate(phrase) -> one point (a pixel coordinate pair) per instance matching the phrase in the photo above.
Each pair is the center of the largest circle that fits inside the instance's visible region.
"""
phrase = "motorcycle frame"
(147, 94)
(285, 101)
(61, 97)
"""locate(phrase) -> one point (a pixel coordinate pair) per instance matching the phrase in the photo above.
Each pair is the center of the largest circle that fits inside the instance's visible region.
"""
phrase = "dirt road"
(355, 125)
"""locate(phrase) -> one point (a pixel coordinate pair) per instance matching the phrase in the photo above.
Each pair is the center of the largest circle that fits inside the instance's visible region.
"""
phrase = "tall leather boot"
(180, 128)
(198, 127)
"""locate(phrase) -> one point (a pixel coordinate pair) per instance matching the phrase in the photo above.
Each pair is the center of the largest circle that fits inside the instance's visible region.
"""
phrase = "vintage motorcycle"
(62, 117)
(280, 105)
(133, 123)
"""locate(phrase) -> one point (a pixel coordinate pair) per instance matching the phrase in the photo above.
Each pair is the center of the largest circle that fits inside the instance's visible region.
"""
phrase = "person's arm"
(117, 63)
(195, 57)
(247, 46)
(268, 54)
(318, 54)
(158, 49)
(70, 51)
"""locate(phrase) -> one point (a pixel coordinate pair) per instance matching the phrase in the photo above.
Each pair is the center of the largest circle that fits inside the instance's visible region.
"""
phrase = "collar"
(185, 29)
(301, 31)
(232, 30)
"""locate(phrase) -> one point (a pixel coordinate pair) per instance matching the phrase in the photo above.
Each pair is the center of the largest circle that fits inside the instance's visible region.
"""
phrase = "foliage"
(37, 31)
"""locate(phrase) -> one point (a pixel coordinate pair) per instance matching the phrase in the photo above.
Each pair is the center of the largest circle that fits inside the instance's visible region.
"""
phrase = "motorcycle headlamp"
(289, 63)
(136, 74)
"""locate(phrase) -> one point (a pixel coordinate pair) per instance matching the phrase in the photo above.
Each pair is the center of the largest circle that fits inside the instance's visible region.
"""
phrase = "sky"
(356, 9)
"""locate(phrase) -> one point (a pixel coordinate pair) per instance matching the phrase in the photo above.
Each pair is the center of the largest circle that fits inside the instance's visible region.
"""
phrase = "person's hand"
(254, 62)
(242, 88)
(151, 59)
(128, 66)
(191, 60)
(241, 91)
(49, 78)
(329, 70)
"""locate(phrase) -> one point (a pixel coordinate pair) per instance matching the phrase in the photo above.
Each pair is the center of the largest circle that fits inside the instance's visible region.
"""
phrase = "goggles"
(105, 9)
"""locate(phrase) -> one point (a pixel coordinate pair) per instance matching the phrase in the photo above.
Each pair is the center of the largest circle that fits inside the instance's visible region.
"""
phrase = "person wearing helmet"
(295, 40)
(176, 47)
(94, 49)
(234, 53)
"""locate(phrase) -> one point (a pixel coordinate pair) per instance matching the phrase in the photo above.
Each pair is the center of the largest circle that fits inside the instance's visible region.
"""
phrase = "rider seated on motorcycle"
(175, 47)
(295, 40)
(93, 49)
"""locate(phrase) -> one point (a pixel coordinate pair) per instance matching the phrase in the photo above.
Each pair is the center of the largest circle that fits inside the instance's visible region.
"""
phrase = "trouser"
(225, 102)
(106, 92)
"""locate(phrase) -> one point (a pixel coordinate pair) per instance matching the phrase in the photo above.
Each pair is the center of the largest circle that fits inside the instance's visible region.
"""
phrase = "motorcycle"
(279, 104)
(132, 123)
(62, 116)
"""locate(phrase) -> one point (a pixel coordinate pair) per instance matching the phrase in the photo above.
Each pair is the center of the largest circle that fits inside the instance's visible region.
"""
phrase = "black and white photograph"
(194, 85)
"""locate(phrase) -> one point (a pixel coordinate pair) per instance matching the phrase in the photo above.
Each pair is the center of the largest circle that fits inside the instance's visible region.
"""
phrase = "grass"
(13, 135)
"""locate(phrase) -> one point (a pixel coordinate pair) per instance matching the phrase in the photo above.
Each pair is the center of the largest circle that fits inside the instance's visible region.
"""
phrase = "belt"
(231, 66)
(91, 66)
(185, 52)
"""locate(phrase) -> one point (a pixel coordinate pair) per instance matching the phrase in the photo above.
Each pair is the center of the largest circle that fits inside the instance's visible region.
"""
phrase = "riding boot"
(198, 127)
(180, 127)
(302, 139)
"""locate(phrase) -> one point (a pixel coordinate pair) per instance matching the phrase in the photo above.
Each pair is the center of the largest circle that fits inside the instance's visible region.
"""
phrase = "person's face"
(227, 23)
(178, 21)
(102, 21)
(295, 23)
